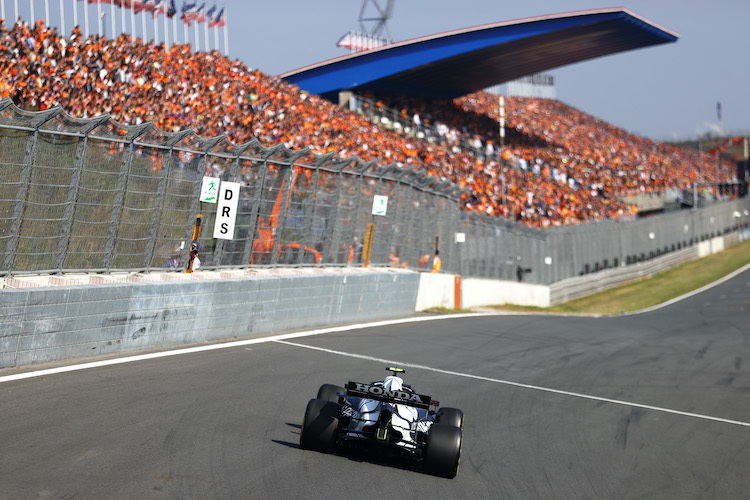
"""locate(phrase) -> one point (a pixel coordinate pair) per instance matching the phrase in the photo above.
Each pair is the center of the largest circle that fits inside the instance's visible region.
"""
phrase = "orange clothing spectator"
(436, 262)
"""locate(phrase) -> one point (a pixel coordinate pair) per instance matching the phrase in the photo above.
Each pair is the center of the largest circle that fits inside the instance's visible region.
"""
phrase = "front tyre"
(320, 426)
(443, 450)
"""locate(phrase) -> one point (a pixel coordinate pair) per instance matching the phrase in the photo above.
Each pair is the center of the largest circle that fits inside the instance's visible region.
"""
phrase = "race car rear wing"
(380, 393)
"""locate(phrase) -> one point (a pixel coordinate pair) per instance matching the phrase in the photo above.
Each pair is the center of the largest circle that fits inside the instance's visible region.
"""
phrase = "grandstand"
(558, 166)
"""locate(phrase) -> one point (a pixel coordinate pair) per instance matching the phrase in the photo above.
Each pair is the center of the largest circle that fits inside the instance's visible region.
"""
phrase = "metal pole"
(75, 13)
(252, 226)
(197, 38)
(502, 121)
(117, 205)
(112, 18)
(205, 35)
(33, 16)
(308, 213)
(99, 26)
(226, 32)
(62, 18)
(286, 193)
(86, 19)
(67, 222)
(166, 32)
(143, 26)
(148, 257)
(329, 246)
(20, 205)
(156, 28)
(216, 37)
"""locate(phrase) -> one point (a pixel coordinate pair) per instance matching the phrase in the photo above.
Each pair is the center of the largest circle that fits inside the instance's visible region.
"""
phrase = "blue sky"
(664, 92)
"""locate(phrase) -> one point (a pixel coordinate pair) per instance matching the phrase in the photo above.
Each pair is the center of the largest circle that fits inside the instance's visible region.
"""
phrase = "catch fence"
(93, 195)
(97, 196)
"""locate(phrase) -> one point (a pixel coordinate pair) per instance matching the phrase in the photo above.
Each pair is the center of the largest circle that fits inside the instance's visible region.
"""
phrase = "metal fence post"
(252, 225)
(331, 237)
(308, 211)
(23, 187)
(161, 190)
(18, 208)
(116, 214)
(288, 185)
(75, 180)
(393, 215)
(358, 204)
(416, 221)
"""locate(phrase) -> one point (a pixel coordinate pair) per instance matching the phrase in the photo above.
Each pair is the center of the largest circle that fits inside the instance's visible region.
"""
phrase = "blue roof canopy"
(460, 62)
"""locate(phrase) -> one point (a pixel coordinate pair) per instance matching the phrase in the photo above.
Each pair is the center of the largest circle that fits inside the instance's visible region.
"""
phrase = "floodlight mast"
(378, 35)
(380, 20)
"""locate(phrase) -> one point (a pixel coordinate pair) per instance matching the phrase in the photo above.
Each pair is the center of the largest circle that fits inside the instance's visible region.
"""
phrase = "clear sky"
(664, 92)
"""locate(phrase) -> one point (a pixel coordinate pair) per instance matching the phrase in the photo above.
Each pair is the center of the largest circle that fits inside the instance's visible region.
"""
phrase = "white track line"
(226, 345)
(517, 384)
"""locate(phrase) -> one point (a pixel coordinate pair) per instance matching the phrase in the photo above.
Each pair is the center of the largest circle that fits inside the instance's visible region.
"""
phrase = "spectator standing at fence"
(355, 251)
(393, 259)
(436, 262)
(423, 261)
(194, 262)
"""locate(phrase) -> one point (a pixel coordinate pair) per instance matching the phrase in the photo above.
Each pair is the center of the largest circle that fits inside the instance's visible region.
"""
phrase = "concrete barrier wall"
(436, 290)
(482, 292)
(52, 323)
(433, 292)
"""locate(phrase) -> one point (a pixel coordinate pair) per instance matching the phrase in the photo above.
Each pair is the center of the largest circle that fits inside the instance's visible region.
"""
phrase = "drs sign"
(226, 210)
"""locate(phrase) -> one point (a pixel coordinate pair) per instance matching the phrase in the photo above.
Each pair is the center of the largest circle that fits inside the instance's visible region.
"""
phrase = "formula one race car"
(385, 415)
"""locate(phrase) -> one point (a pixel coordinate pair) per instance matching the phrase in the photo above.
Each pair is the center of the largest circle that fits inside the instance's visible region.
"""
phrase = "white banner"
(226, 211)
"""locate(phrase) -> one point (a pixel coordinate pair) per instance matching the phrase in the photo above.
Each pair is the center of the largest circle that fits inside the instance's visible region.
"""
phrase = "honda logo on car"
(382, 391)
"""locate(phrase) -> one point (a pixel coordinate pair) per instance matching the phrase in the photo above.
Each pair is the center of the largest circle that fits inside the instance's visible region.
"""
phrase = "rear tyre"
(443, 450)
(320, 426)
(330, 392)
(451, 416)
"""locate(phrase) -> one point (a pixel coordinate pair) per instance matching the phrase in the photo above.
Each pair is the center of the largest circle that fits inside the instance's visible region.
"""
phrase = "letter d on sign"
(226, 210)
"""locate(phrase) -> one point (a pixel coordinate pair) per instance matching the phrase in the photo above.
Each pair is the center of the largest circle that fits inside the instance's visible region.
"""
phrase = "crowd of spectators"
(557, 166)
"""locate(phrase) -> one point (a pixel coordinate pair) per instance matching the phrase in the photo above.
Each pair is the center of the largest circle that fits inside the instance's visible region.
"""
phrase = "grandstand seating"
(558, 165)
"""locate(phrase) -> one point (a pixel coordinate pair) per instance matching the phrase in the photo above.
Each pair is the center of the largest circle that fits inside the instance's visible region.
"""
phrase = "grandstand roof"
(456, 63)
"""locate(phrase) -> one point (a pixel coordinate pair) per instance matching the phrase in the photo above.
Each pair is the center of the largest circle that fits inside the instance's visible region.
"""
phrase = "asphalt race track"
(655, 405)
